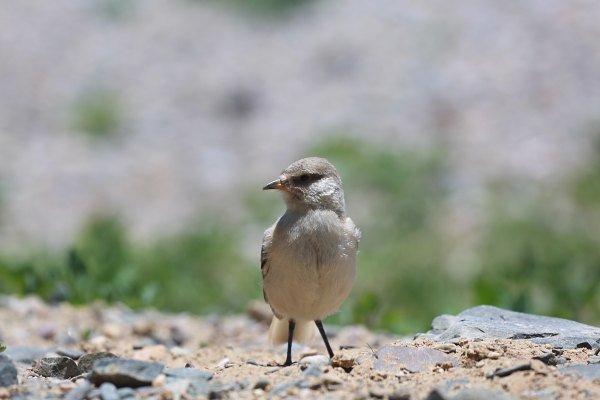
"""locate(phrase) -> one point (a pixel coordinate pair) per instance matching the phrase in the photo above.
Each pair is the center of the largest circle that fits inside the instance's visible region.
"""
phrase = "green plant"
(98, 113)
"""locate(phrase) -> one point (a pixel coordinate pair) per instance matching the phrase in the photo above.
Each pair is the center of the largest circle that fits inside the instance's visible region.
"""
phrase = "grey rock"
(73, 354)
(79, 392)
(108, 391)
(487, 322)
(126, 392)
(594, 359)
(394, 359)
(586, 371)
(86, 361)
(188, 373)
(25, 354)
(124, 372)
(481, 393)
(503, 372)
(313, 370)
(220, 390)
(8, 372)
(262, 384)
(550, 359)
(318, 360)
(56, 367)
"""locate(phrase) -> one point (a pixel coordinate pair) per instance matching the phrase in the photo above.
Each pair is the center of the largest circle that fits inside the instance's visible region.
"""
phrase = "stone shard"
(8, 372)
(394, 359)
(56, 367)
(125, 372)
(488, 322)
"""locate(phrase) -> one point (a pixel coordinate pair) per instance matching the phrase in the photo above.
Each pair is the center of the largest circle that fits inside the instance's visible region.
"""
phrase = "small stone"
(343, 361)
(400, 395)
(125, 372)
(180, 351)
(313, 370)
(126, 392)
(188, 373)
(159, 381)
(446, 347)
(262, 384)
(586, 371)
(502, 372)
(80, 391)
(494, 355)
(8, 372)
(396, 358)
(4, 393)
(113, 331)
(224, 363)
(24, 354)
(143, 327)
(108, 391)
(86, 361)
(73, 354)
(56, 367)
(318, 360)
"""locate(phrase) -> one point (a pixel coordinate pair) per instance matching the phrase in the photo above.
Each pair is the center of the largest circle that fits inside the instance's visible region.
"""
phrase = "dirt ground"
(235, 350)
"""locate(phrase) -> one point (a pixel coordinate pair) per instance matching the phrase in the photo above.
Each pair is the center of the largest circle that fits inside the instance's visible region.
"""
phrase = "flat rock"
(188, 373)
(586, 371)
(488, 322)
(125, 372)
(318, 360)
(8, 372)
(394, 359)
(25, 354)
(86, 361)
(56, 367)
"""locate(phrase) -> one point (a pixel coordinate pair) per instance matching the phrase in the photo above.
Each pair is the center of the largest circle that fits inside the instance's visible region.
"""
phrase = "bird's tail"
(303, 332)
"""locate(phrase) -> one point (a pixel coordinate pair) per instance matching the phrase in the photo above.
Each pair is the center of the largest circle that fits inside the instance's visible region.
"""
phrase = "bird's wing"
(264, 250)
(353, 230)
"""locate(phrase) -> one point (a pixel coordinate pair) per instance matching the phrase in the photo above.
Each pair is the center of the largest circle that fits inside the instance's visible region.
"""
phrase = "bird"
(308, 256)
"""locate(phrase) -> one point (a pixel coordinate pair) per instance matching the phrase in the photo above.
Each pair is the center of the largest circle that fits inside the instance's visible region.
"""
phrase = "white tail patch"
(304, 331)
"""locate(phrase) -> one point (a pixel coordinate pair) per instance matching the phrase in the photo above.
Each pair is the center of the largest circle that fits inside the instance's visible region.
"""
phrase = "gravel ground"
(164, 356)
(213, 102)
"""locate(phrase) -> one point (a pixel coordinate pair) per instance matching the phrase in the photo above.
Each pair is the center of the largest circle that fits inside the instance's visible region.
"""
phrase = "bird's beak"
(276, 184)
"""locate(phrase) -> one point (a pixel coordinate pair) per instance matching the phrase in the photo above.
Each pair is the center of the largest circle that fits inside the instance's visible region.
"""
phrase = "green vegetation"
(538, 251)
(98, 113)
(265, 8)
(190, 271)
(2, 347)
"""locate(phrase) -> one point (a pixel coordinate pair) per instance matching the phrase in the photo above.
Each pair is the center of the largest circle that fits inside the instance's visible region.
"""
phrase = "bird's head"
(311, 183)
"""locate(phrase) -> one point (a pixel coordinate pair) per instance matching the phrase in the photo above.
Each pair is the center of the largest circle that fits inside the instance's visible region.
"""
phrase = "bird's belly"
(309, 285)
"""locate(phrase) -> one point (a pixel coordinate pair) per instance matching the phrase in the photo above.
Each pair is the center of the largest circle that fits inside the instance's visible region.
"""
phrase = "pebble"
(8, 372)
(56, 367)
(86, 361)
(125, 372)
(108, 391)
(80, 391)
(318, 360)
(73, 354)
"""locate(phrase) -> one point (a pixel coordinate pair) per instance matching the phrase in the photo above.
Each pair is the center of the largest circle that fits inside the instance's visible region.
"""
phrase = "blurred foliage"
(542, 254)
(2, 347)
(98, 113)
(538, 251)
(268, 8)
(190, 271)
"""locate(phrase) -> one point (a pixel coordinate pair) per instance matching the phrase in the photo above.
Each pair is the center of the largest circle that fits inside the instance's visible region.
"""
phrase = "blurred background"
(135, 137)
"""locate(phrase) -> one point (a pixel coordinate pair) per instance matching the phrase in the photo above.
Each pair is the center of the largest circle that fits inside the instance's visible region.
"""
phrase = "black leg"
(324, 336)
(291, 326)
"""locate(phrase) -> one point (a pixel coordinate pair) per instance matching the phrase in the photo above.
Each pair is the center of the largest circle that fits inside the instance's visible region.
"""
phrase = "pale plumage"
(308, 256)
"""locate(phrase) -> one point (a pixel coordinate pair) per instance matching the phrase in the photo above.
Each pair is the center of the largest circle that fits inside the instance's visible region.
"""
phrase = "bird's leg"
(291, 326)
(324, 336)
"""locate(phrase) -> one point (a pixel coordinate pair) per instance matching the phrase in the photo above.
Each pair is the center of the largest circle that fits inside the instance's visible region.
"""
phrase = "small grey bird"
(308, 256)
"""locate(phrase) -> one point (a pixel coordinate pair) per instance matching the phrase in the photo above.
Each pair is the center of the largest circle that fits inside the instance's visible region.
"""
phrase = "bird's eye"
(304, 178)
